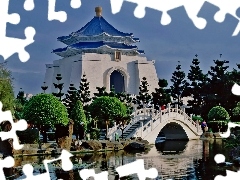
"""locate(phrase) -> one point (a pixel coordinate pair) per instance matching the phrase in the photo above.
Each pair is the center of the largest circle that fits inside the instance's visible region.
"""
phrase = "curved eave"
(63, 52)
(73, 38)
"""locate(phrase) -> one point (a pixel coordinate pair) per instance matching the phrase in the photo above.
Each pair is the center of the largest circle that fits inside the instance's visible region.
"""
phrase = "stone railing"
(157, 117)
(163, 117)
(138, 115)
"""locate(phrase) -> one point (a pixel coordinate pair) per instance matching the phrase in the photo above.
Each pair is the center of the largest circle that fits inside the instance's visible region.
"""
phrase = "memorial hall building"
(107, 56)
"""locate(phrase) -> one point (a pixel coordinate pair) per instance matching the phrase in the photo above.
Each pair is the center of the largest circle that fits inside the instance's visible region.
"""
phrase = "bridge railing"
(157, 117)
(191, 123)
(144, 130)
(138, 115)
(162, 117)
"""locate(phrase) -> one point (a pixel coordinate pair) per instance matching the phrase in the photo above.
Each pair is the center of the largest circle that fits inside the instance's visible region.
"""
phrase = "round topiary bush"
(218, 119)
(45, 109)
(218, 113)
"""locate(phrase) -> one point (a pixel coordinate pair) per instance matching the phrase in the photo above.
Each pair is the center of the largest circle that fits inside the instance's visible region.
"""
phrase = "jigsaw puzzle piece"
(66, 166)
(65, 158)
(192, 9)
(8, 162)
(227, 7)
(76, 4)
(18, 126)
(230, 175)
(230, 125)
(29, 173)
(53, 15)
(5, 17)
(137, 167)
(236, 89)
(29, 5)
(9, 46)
(87, 173)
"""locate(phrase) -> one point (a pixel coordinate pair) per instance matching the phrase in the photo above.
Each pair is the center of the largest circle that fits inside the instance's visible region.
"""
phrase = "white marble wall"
(98, 68)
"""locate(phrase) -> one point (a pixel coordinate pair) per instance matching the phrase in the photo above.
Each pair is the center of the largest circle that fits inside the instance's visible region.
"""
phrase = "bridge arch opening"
(172, 146)
(173, 131)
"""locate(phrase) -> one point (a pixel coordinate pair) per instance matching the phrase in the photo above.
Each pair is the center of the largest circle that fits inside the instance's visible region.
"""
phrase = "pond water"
(185, 160)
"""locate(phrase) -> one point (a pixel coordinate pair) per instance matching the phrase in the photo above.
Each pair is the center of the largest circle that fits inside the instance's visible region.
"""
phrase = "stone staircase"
(133, 127)
(130, 130)
(102, 134)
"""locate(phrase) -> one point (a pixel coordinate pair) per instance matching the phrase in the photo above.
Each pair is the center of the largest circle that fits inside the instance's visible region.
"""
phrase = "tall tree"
(84, 91)
(71, 98)
(59, 86)
(6, 88)
(45, 110)
(79, 118)
(161, 96)
(143, 98)
(101, 92)
(197, 81)
(106, 109)
(217, 87)
(179, 84)
(20, 101)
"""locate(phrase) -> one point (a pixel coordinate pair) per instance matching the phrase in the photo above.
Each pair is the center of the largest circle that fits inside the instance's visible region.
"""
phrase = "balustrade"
(156, 117)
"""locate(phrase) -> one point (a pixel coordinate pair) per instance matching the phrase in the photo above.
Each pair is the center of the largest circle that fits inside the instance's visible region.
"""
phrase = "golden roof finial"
(98, 11)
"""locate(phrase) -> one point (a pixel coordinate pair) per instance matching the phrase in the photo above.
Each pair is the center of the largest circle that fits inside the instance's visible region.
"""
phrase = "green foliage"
(107, 108)
(83, 91)
(58, 86)
(179, 84)
(6, 88)
(45, 109)
(29, 136)
(71, 98)
(143, 98)
(199, 118)
(161, 96)
(78, 115)
(95, 133)
(19, 103)
(101, 92)
(195, 89)
(218, 113)
(218, 86)
(236, 113)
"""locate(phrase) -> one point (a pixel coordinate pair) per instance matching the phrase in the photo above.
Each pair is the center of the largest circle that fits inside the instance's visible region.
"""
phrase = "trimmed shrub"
(195, 118)
(29, 136)
(218, 113)
(95, 133)
(216, 125)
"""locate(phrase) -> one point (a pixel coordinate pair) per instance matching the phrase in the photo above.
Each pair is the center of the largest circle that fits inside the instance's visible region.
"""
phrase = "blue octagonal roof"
(97, 26)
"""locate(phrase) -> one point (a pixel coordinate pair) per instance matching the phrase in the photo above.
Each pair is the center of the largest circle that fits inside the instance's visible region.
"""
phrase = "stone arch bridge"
(147, 123)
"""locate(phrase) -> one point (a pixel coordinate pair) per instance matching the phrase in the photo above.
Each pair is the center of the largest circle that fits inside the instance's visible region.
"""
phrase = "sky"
(178, 41)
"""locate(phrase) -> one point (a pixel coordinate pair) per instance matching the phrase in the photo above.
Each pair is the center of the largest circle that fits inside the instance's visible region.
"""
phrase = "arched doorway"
(117, 81)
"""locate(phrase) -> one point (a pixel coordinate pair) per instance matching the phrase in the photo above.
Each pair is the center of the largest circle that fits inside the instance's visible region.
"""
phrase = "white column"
(151, 124)
(160, 115)
(169, 109)
(141, 128)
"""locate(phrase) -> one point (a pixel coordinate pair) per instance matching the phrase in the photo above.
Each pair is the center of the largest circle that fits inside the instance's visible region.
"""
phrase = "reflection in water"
(189, 160)
(171, 146)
